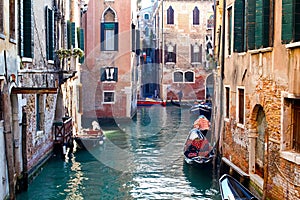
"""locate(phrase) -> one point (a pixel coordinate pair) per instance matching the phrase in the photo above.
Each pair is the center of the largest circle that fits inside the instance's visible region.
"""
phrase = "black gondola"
(197, 149)
(231, 189)
(202, 109)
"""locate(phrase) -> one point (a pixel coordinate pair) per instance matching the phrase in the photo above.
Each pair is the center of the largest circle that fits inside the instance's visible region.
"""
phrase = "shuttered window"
(80, 39)
(26, 34)
(71, 29)
(196, 15)
(109, 74)
(229, 30)
(133, 41)
(170, 15)
(290, 21)
(260, 23)
(49, 33)
(239, 26)
(170, 53)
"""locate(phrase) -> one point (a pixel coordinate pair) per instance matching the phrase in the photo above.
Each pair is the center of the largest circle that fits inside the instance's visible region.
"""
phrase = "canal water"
(140, 159)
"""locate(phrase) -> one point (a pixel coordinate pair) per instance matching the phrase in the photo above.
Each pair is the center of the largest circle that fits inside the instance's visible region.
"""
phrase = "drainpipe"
(220, 131)
(8, 136)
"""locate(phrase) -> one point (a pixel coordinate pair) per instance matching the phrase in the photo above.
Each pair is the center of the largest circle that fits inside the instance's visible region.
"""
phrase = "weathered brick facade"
(263, 82)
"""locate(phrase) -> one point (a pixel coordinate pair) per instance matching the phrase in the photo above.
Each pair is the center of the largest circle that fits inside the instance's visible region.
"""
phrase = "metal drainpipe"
(222, 76)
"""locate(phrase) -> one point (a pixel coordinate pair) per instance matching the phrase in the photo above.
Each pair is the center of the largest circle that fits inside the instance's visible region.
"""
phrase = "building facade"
(37, 83)
(184, 32)
(109, 75)
(258, 93)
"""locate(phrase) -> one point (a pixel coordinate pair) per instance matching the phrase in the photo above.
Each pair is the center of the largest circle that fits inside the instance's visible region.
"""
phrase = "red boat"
(150, 102)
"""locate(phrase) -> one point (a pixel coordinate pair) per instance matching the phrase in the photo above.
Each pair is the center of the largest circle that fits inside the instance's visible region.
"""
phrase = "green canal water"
(140, 159)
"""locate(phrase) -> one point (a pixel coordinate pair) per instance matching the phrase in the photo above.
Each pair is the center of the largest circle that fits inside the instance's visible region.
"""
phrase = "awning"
(31, 90)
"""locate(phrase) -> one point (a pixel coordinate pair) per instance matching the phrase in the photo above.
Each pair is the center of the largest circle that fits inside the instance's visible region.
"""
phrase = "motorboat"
(197, 148)
(89, 139)
(231, 189)
(150, 102)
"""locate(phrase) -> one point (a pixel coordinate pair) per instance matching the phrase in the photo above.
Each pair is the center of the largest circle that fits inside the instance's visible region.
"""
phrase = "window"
(40, 112)
(290, 21)
(196, 16)
(146, 16)
(1, 17)
(260, 23)
(241, 105)
(196, 53)
(12, 21)
(109, 32)
(108, 97)
(80, 36)
(26, 30)
(227, 101)
(239, 44)
(170, 15)
(189, 76)
(229, 30)
(178, 76)
(181, 77)
(170, 53)
(210, 20)
(49, 33)
(109, 74)
(296, 126)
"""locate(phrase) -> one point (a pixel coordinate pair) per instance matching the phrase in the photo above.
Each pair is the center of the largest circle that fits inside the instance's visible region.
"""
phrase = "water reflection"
(140, 159)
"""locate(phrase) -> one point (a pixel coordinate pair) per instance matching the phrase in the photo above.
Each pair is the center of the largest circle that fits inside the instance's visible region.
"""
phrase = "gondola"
(89, 139)
(202, 109)
(231, 189)
(180, 104)
(197, 149)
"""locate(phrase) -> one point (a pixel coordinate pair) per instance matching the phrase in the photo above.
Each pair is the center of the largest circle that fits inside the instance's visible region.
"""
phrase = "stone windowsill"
(262, 50)
(257, 180)
(292, 45)
(291, 156)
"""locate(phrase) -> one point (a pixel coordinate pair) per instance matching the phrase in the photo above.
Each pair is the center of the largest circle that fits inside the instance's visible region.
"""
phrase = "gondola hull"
(231, 189)
(197, 149)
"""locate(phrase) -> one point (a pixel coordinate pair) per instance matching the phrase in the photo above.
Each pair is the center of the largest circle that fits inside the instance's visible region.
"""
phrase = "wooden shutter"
(192, 53)
(69, 34)
(47, 31)
(287, 21)
(259, 24)
(200, 53)
(81, 43)
(102, 36)
(115, 75)
(138, 43)
(102, 74)
(297, 20)
(296, 128)
(251, 24)
(116, 38)
(238, 40)
(51, 34)
(73, 30)
(174, 54)
(133, 41)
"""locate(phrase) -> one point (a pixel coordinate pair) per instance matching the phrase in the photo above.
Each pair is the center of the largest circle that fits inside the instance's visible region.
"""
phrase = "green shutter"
(287, 21)
(69, 36)
(102, 74)
(81, 44)
(47, 31)
(239, 17)
(73, 30)
(251, 24)
(116, 36)
(297, 20)
(259, 24)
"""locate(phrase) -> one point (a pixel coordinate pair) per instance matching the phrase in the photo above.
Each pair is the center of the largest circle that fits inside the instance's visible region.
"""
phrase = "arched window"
(196, 16)
(170, 15)
(146, 16)
(109, 31)
(189, 76)
(178, 76)
(170, 53)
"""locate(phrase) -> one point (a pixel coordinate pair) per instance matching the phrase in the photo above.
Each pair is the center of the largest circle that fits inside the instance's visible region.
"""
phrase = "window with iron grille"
(108, 97)
(196, 53)
(170, 53)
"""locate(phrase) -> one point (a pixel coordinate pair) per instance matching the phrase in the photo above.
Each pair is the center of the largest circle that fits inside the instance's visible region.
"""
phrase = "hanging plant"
(77, 52)
(63, 53)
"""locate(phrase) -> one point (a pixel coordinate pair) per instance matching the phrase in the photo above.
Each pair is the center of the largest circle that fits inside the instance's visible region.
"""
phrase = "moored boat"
(150, 102)
(197, 148)
(89, 139)
(231, 189)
